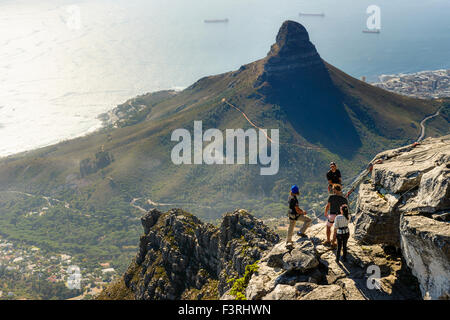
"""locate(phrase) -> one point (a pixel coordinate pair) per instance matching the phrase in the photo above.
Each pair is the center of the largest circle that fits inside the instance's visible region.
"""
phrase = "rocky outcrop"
(377, 220)
(407, 204)
(426, 248)
(102, 160)
(411, 179)
(307, 270)
(181, 257)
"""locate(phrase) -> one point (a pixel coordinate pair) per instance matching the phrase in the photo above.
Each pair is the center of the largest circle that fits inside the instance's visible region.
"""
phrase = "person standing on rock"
(335, 201)
(295, 213)
(342, 232)
(333, 177)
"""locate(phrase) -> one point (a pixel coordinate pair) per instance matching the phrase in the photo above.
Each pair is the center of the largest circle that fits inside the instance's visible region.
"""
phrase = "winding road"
(422, 124)
(46, 198)
(157, 204)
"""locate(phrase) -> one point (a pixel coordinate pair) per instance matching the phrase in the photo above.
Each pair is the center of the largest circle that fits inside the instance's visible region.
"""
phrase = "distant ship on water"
(371, 31)
(311, 14)
(216, 21)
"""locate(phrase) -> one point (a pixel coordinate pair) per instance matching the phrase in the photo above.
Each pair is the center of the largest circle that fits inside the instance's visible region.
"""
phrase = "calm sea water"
(58, 72)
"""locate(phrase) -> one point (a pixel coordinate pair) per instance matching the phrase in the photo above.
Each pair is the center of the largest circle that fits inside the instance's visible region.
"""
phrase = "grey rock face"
(263, 281)
(434, 191)
(179, 253)
(407, 205)
(376, 219)
(301, 259)
(149, 219)
(409, 180)
(426, 248)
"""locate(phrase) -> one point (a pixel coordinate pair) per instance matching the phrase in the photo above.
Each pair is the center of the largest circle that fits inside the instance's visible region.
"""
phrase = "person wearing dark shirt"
(333, 176)
(294, 214)
(334, 204)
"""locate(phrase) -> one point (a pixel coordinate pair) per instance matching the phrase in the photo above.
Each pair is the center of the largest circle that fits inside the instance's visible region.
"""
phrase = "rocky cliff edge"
(180, 257)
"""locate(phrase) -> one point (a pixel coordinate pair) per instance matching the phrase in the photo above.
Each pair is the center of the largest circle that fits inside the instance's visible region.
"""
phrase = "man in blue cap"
(294, 214)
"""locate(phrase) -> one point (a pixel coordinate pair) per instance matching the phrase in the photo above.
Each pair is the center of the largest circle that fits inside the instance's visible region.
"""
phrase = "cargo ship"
(302, 14)
(216, 21)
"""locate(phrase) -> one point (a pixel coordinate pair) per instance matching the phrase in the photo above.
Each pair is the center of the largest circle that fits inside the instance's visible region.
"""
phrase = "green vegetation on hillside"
(239, 285)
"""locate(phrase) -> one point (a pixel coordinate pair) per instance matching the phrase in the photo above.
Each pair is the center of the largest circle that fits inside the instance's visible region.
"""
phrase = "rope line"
(247, 118)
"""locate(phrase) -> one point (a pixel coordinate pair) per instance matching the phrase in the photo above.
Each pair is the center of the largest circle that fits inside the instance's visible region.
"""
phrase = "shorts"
(331, 217)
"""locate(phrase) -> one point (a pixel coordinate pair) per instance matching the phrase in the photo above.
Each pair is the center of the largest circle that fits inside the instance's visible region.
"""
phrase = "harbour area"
(424, 84)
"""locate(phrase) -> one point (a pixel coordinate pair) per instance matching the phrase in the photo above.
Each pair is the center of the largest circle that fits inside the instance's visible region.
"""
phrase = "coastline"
(93, 129)
(102, 121)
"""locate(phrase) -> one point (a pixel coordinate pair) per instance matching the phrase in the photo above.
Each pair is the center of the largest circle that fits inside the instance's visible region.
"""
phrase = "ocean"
(62, 63)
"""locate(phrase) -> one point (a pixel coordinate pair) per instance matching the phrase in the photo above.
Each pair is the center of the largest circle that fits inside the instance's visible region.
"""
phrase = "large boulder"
(426, 247)
(376, 218)
(283, 265)
(302, 258)
(407, 204)
(411, 179)
(433, 194)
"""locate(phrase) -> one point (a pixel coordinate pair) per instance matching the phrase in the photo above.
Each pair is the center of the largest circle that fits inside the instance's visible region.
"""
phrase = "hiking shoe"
(302, 235)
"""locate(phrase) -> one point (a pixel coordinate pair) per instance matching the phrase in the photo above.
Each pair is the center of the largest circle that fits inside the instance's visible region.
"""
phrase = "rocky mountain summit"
(292, 53)
(398, 249)
(295, 77)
